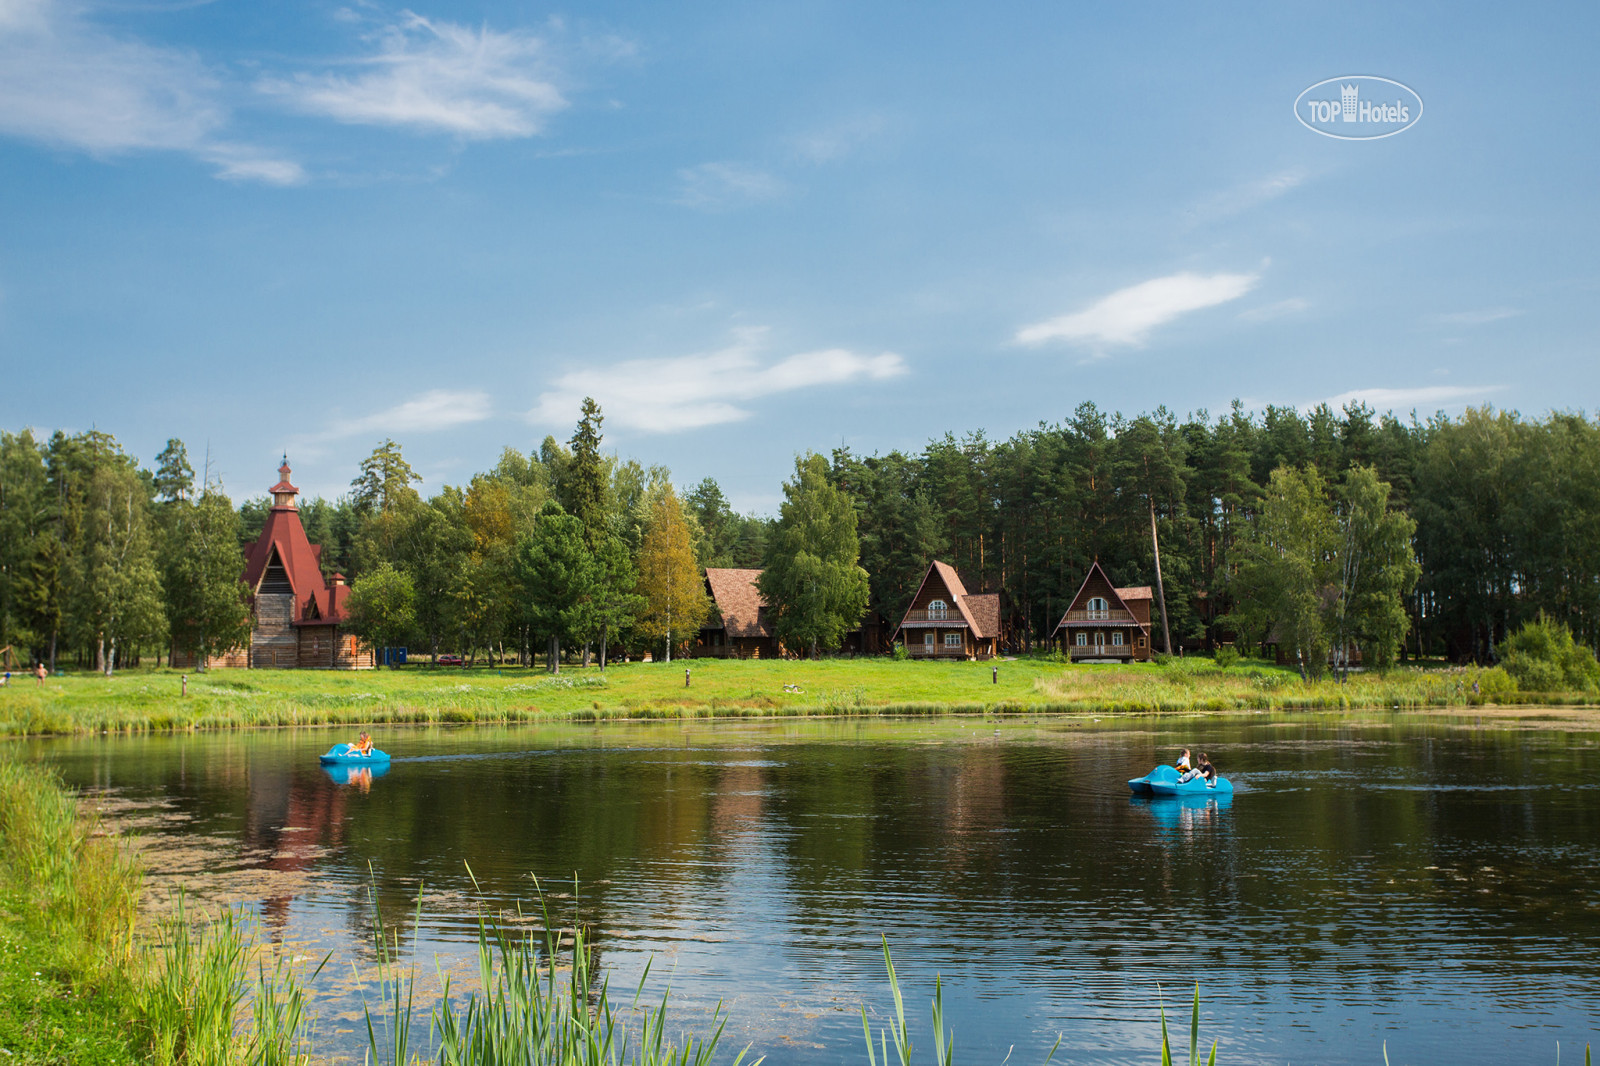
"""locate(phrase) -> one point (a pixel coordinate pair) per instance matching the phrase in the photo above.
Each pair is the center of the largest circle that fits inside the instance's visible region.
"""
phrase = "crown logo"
(1347, 97)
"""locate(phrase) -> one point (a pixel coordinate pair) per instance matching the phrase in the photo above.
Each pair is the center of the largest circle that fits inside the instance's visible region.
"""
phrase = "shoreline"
(161, 700)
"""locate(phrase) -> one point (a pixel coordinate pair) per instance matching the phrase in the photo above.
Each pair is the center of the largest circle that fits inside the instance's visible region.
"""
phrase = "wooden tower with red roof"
(297, 613)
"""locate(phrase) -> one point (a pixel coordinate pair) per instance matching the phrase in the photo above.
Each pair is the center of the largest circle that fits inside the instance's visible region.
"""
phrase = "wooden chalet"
(945, 621)
(1106, 624)
(297, 615)
(739, 629)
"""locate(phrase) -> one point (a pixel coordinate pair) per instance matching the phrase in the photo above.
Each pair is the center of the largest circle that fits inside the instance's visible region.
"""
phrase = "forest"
(1413, 538)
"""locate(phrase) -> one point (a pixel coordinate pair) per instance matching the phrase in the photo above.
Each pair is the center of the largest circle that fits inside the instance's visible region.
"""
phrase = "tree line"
(1318, 531)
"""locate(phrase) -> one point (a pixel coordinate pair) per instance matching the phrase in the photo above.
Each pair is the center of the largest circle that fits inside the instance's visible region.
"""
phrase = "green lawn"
(147, 699)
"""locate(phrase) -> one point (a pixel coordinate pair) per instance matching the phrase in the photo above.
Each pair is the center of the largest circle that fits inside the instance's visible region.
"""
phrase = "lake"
(1424, 882)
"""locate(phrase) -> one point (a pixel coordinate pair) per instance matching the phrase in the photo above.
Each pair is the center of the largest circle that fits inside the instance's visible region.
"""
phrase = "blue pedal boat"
(1146, 784)
(1195, 786)
(346, 755)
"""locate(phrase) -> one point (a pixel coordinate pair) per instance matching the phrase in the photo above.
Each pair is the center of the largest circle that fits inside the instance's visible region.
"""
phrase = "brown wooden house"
(945, 621)
(1104, 623)
(297, 614)
(739, 628)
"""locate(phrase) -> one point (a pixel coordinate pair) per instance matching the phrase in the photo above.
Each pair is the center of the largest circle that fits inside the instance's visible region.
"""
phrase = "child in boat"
(362, 746)
(1206, 770)
(1183, 765)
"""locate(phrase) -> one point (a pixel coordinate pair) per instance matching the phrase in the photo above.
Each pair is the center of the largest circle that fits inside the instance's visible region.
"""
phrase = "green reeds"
(537, 1005)
(944, 1040)
(202, 1009)
(1194, 1035)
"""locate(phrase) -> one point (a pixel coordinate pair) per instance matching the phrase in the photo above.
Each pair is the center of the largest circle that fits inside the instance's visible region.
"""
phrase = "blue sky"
(753, 230)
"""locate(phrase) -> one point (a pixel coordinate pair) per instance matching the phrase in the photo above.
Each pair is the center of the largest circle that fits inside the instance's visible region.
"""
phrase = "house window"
(937, 608)
(1116, 639)
(1083, 639)
(1097, 603)
(1141, 642)
(952, 640)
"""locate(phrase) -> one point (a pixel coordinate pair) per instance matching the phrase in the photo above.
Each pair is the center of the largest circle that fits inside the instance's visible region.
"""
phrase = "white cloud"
(1282, 309)
(65, 81)
(1404, 399)
(438, 77)
(689, 392)
(719, 186)
(838, 140)
(435, 409)
(1243, 197)
(1480, 317)
(1127, 316)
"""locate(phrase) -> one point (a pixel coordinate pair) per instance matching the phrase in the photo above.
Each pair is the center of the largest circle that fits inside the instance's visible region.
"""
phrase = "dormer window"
(938, 609)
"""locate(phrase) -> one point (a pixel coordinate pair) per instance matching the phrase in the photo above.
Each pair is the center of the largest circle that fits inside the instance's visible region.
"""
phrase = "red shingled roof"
(739, 601)
(1136, 592)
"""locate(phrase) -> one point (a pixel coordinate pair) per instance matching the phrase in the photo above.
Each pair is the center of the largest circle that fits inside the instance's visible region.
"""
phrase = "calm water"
(1419, 882)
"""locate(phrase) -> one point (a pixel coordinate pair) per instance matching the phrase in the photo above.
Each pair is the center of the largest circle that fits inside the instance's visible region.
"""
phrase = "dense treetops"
(1314, 529)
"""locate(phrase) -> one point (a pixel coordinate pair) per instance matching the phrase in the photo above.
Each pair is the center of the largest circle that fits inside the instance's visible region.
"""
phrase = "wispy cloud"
(1246, 195)
(65, 81)
(1282, 309)
(689, 392)
(436, 77)
(1384, 399)
(833, 142)
(1481, 317)
(1128, 316)
(433, 410)
(723, 186)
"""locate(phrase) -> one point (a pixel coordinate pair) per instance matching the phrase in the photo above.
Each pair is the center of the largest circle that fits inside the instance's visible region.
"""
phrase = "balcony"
(1119, 617)
(1101, 651)
(936, 651)
(939, 618)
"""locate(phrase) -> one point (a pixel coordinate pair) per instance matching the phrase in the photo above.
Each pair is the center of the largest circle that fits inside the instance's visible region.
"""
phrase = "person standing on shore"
(39, 672)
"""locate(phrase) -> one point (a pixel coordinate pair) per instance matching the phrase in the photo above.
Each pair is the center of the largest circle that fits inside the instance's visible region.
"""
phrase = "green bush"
(1543, 657)
(1494, 684)
(899, 653)
(1226, 656)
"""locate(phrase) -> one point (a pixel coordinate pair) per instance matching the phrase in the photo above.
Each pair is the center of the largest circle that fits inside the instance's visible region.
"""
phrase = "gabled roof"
(738, 601)
(984, 621)
(1120, 596)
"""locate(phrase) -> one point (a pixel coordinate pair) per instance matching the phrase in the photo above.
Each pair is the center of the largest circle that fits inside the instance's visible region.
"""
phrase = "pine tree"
(385, 481)
(558, 577)
(814, 588)
(586, 485)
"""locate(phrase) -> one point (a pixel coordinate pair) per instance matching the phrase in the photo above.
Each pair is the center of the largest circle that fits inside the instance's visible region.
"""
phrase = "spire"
(283, 493)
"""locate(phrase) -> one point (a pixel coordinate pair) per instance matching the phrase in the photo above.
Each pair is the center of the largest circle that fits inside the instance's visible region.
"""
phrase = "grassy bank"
(76, 984)
(154, 699)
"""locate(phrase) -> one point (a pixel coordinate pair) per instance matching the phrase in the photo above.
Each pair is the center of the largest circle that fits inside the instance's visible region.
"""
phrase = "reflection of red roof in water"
(283, 539)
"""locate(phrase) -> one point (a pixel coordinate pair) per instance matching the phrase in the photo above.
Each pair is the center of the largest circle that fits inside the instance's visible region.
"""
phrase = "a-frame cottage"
(297, 615)
(1104, 623)
(739, 629)
(945, 621)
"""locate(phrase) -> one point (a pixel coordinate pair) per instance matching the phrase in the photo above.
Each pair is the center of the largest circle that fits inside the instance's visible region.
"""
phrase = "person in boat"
(1207, 771)
(363, 745)
(1183, 765)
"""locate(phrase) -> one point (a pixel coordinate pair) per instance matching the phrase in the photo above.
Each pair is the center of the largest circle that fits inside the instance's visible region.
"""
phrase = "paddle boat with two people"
(1180, 779)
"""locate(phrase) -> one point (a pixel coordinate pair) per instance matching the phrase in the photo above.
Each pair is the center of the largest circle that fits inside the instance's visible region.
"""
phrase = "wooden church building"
(297, 614)
(1104, 623)
(945, 621)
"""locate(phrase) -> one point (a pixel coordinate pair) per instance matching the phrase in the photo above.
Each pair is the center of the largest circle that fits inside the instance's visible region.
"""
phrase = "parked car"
(449, 660)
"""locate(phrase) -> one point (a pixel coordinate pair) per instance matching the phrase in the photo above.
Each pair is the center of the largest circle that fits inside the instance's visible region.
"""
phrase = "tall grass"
(201, 1006)
(75, 889)
(537, 1005)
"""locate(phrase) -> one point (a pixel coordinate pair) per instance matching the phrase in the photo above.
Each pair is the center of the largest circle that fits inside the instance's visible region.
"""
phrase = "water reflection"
(1399, 880)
